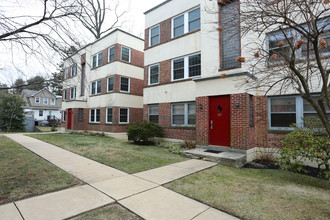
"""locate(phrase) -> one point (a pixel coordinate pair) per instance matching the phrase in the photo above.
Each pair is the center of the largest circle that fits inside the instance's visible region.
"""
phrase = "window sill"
(91, 122)
(280, 130)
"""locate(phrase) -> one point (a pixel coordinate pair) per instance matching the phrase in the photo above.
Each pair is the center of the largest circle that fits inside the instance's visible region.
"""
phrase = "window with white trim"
(64, 94)
(109, 115)
(45, 101)
(124, 84)
(153, 74)
(153, 113)
(94, 115)
(126, 54)
(80, 114)
(96, 87)
(41, 113)
(154, 35)
(64, 116)
(52, 101)
(286, 110)
(185, 23)
(66, 73)
(111, 54)
(73, 93)
(37, 99)
(183, 114)
(97, 60)
(186, 67)
(110, 84)
(123, 115)
(74, 70)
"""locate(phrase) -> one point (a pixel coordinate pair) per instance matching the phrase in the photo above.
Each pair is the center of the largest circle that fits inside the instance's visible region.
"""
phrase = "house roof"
(157, 6)
(28, 93)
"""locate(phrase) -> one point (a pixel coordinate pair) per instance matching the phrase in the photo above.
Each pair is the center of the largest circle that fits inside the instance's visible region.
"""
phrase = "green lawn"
(23, 174)
(258, 194)
(112, 212)
(119, 154)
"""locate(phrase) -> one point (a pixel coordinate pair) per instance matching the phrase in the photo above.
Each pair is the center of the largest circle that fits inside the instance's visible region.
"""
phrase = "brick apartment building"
(103, 84)
(194, 87)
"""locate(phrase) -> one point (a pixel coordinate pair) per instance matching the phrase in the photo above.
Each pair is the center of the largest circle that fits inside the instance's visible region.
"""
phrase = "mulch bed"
(259, 164)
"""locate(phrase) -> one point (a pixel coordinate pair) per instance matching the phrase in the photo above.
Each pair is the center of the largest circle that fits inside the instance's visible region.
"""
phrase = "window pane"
(195, 65)
(192, 114)
(155, 31)
(99, 86)
(154, 36)
(154, 118)
(282, 120)
(178, 114)
(94, 61)
(123, 117)
(98, 113)
(154, 40)
(112, 54)
(178, 69)
(309, 108)
(178, 109)
(125, 54)
(178, 119)
(109, 116)
(283, 105)
(92, 115)
(179, 21)
(93, 88)
(153, 110)
(99, 63)
(80, 114)
(194, 20)
(124, 84)
(179, 26)
(178, 31)
(154, 73)
(110, 84)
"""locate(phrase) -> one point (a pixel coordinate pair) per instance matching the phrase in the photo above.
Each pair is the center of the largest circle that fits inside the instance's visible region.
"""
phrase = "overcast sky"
(134, 23)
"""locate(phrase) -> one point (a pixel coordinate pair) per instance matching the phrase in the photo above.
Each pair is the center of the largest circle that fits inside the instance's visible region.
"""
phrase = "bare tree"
(290, 51)
(93, 16)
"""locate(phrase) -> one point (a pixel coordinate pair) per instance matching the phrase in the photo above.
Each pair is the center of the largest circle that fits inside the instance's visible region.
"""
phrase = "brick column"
(202, 120)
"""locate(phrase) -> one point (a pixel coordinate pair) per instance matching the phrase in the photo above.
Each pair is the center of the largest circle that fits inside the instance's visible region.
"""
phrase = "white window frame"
(97, 60)
(114, 58)
(185, 22)
(186, 67)
(75, 93)
(53, 101)
(113, 83)
(150, 29)
(65, 95)
(129, 84)
(127, 116)
(37, 98)
(149, 74)
(129, 54)
(74, 68)
(186, 114)
(96, 93)
(45, 101)
(90, 113)
(151, 105)
(107, 119)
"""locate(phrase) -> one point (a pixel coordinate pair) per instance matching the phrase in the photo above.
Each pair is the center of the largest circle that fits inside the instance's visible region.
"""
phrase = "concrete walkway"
(141, 193)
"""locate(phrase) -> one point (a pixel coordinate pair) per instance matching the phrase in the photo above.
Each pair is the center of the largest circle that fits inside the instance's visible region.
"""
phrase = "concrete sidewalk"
(141, 193)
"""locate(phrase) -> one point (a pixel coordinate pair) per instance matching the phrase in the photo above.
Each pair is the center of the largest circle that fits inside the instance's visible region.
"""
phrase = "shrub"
(53, 128)
(267, 155)
(173, 147)
(141, 132)
(310, 142)
(189, 144)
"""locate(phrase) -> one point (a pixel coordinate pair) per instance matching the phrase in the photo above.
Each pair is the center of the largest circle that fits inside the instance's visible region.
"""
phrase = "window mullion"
(186, 23)
(186, 67)
(299, 111)
(185, 114)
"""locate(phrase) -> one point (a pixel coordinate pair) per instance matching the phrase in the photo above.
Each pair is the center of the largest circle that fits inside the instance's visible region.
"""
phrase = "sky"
(15, 63)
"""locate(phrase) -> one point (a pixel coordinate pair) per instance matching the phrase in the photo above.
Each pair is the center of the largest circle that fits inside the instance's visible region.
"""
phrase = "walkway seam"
(19, 211)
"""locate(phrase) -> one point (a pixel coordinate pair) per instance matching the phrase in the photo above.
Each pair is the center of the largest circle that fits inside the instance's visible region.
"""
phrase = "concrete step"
(232, 159)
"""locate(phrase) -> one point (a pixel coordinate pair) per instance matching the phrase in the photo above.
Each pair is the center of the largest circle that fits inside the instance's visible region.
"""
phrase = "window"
(41, 113)
(154, 35)
(37, 100)
(74, 70)
(73, 93)
(123, 115)
(96, 87)
(153, 113)
(109, 115)
(153, 74)
(186, 67)
(45, 101)
(52, 101)
(309, 111)
(97, 60)
(273, 44)
(64, 116)
(111, 54)
(80, 114)
(94, 115)
(66, 73)
(184, 114)
(187, 22)
(83, 78)
(124, 84)
(110, 84)
(65, 95)
(283, 112)
(125, 54)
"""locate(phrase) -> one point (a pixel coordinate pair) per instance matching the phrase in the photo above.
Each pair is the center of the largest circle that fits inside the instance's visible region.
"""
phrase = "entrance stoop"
(221, 155)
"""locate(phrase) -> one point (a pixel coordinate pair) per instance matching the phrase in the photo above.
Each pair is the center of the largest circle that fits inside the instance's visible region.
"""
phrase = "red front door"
(219, 125)
(69, 118)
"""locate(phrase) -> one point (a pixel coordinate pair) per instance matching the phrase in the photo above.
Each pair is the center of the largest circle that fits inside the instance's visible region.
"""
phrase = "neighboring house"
(194, 87)
(103, 84)
(42, 104)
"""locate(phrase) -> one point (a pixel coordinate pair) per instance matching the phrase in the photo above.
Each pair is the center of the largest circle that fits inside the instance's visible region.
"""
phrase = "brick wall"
(202, 120)
(164, 73)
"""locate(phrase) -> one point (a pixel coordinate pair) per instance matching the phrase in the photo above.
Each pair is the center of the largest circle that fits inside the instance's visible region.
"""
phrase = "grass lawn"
(258, 194)
(119, 154)
(112, 212)
(23, 174)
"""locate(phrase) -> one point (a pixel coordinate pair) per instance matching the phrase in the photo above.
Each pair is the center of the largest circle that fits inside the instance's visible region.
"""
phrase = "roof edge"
(157, 6)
